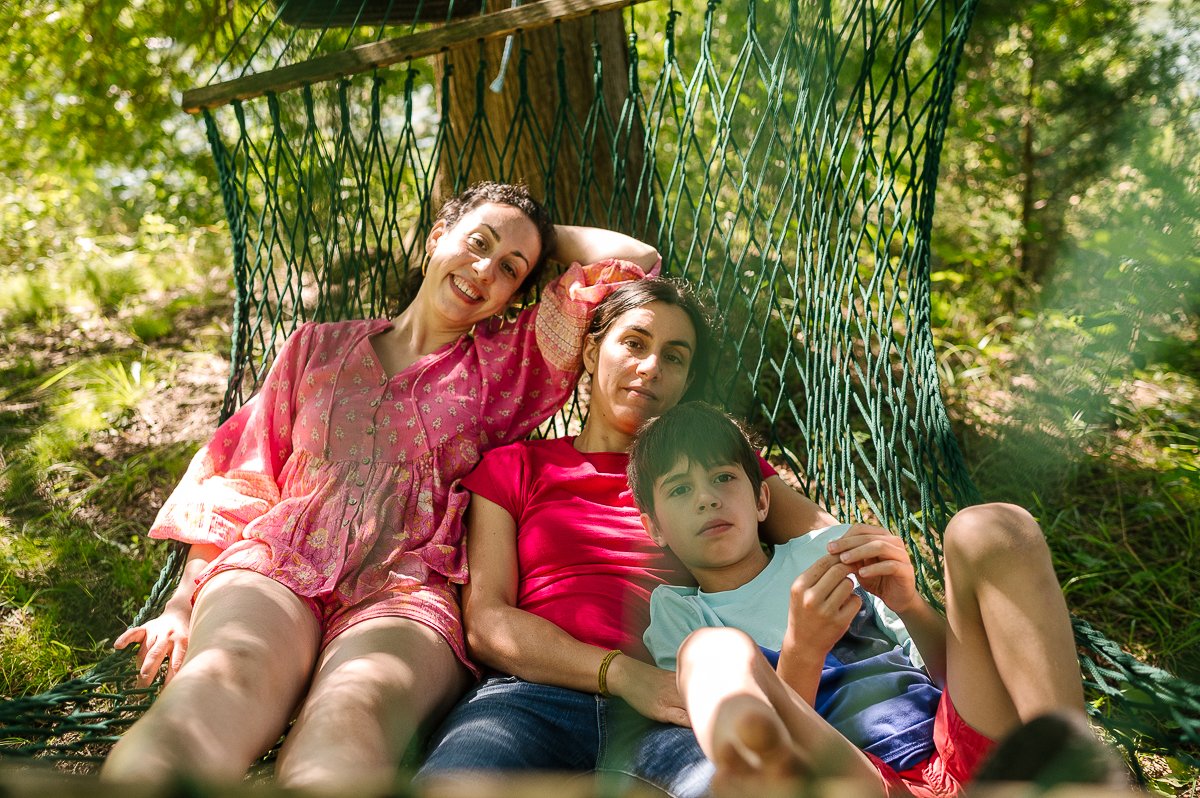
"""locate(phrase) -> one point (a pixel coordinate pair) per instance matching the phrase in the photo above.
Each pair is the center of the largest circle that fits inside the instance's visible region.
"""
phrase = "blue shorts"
(508, 724)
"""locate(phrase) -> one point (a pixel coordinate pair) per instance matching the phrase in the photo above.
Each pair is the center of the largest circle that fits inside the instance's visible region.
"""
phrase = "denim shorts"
(508, 724)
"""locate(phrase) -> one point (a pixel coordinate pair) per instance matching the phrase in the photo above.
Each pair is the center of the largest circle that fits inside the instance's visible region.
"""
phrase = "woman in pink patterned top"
(322, 579)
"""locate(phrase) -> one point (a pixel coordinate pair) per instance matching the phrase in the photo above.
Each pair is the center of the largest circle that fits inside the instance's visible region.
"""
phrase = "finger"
(874, 549)
(838, 580)
(154, 658)
(856, 535)
(852, 541)
(849, 609)
(867, 529)
(881, 568)
(813, 573)
(178, 653)
(842, 593)
(136, 634)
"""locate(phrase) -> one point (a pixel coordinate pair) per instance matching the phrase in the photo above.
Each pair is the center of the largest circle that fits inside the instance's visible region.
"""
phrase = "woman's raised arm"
(585, 245)
(522, 644)
(792, 514)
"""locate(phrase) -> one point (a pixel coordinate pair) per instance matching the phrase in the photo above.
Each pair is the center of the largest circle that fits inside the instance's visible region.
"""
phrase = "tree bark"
(579, 150)
(1027, 257)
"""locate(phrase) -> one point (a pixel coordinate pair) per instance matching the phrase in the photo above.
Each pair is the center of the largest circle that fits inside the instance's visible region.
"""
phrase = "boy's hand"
(880, 561)
(822, 605)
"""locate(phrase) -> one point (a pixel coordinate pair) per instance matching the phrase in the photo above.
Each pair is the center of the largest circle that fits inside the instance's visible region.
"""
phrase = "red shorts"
(959, 751)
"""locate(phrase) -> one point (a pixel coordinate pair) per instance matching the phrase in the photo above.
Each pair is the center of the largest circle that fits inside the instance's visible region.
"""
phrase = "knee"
(718, 646)
(363, 682)
(991, 534)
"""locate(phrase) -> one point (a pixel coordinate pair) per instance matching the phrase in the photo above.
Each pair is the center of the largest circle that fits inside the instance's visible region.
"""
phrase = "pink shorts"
(433, 603)
(959, 751)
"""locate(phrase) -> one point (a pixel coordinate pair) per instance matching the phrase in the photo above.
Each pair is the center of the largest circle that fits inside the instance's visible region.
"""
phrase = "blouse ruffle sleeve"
(234, 478)
(567, 305)
(531, 366)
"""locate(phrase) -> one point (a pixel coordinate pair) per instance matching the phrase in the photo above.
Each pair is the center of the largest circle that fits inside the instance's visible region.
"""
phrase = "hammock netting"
(783, 156)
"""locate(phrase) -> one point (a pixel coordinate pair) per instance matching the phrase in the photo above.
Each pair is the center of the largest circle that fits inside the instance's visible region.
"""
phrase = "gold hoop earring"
(424, 266)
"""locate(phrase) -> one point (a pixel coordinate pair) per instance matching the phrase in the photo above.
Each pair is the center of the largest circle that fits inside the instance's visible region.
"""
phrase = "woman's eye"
(477, 241)
(510, 269)
(633, 343)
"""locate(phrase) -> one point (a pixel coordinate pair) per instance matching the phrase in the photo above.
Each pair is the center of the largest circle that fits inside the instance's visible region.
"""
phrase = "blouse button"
(352, 502)
(345, 522)
(359, 482)
(370, 430)
(366, 461)
(374, 403)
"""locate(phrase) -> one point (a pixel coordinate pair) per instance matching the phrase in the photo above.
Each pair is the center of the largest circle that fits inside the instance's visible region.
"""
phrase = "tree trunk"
(573, 149)
(1026, 256)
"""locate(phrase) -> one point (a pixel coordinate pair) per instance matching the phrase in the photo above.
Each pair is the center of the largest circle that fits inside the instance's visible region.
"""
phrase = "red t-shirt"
(584, 562)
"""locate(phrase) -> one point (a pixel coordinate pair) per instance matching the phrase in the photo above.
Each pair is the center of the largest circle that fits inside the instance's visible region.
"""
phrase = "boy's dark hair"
(516, 195)
(672, 291)
(693, 430)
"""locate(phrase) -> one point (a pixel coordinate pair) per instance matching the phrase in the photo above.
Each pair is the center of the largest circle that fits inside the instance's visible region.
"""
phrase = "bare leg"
(750, 723)
(375, 684)
(1010, 652)
(252, 647)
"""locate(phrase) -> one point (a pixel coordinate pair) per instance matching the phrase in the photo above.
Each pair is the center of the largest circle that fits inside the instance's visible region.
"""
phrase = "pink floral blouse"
(337, 481)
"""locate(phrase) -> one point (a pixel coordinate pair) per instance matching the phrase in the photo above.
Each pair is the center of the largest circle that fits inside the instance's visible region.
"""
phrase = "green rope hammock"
(781, 155)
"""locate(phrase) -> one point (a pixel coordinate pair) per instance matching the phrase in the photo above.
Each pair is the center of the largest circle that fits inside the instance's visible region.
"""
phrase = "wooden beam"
(403, 48)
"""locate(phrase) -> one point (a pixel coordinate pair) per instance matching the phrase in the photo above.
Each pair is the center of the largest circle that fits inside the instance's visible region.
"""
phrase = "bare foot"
(753, 752)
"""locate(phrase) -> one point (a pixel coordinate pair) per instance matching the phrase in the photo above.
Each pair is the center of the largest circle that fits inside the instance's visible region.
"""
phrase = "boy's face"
(709, 517)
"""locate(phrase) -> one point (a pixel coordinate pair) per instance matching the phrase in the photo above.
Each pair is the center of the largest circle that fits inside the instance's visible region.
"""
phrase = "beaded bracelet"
(602, 676)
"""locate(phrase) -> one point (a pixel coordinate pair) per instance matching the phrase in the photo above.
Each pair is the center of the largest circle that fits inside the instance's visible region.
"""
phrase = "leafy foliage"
(1052, 95)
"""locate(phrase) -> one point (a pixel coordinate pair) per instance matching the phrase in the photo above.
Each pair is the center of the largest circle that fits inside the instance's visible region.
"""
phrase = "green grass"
(1107, 456)
(1086, 410)
(94, 360)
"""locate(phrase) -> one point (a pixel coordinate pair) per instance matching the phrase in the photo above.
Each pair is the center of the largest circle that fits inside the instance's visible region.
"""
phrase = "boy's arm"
(882, 565)
(822, 605)
(927, 628)
(791, 514)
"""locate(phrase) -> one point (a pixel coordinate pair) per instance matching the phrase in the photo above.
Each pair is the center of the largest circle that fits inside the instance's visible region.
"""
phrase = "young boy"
(864, 668)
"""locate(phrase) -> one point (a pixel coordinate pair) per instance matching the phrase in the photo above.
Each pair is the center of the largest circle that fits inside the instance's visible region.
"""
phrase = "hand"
(822, 606)
(651, 691)
(880, 561)
(164, 637)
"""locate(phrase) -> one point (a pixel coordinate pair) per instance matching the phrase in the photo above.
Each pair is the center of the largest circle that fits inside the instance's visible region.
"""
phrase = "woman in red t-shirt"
(561, 571)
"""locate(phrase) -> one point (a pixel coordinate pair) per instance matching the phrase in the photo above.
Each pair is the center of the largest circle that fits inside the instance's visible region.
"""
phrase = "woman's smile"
(469, 291)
